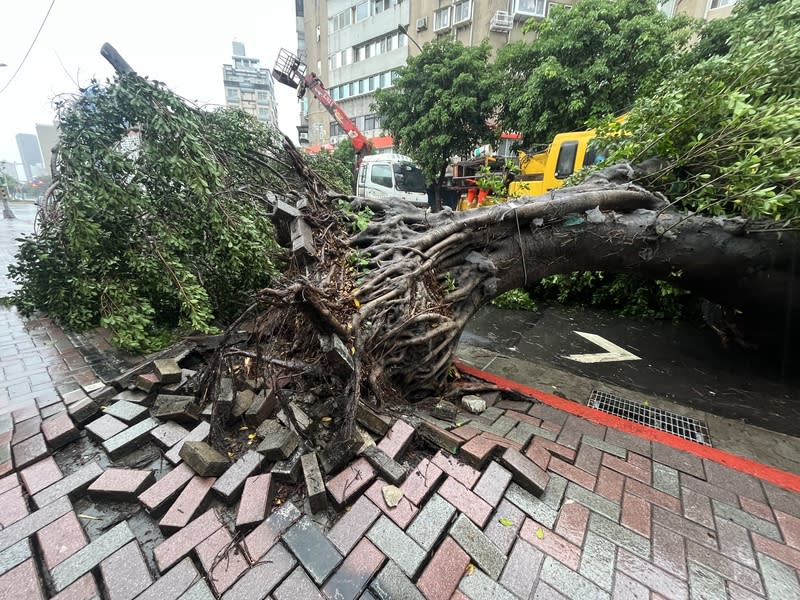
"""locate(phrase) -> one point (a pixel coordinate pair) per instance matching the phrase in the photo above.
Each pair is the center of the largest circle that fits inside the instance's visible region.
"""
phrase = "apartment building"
(249, 86)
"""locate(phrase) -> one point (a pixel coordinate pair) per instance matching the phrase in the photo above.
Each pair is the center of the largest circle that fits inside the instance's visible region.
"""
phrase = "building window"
(362, 11)
(530, 8)
(374, 83)
(232, 94)
(378, 6)
(441, 19)
(721, 3)
(462, 11)
(335, 93)
(363, 86)
(386, 79)
(340, 21)
(262, 98)
(263, 114)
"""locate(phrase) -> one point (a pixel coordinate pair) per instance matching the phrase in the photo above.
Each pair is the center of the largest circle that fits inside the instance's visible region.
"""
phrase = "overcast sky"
(180, 42)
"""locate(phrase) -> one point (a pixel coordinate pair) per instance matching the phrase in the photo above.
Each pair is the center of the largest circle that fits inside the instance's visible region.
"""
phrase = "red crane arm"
(359, 141)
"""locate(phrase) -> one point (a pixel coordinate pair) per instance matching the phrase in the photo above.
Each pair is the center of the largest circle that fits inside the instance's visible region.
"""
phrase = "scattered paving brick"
(482, 550)
(40, 474)
(22, 582)
(492, 484)
(524, 471)
(439, 437)
(197, 434)
(168, 434)
(173, 583)
(59, 430)
(188, 503)
(504, 525)
(402, 514)
(256, 500)
(263, 407)
(127, 412)
(83, 411)
(350, 482)
(440, 578)
(477, 451)
(105, 428)
(26, 526)
(314, 551)
(531, 505)
(289, 469)
(147, 382)
(392, 583)
(73, 485)
(129, 439)
(181, 409)
(264, 537)
(355, 572)
(353, 524)
(229, 485)
(373, 421)
(125, 573)
(397, 439)
(457, 469)
(179, 545)
(157, 495)
(519, 574)
(26, 429)
(465, 501)
(203, 459)
(168, 370)
(121, 484)
(431, 522)
(60, 539)
(387, 467)
(14, 507)
(421, 481)
(29, 451)
(279, 446)
(396, 545)
(136, 396)
(90, 556)
(315, 484)
(262, 578)
(222, 560)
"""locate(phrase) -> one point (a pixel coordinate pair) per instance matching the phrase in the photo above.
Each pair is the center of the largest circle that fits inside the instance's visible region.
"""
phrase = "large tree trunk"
(378, 314)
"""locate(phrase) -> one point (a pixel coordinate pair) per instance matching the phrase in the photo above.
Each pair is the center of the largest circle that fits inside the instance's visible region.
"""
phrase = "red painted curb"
(781, 478)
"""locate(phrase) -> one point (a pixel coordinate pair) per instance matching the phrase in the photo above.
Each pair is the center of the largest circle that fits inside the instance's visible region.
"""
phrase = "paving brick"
(353, 524)
(760, 509)
(652, 495)
(165, 489)
(402, 514)
(636, 514)
(465, 432)
(168, 434)
(531, 505)
(90, 556)
(610, 485)
(421, 481)
(22, 582)
(780, 580)
(356, 571)
(593, 501)
(315, 485)
(222, 560)
(263, 537)
(73, 485)
(629, 589)
(315, 552)
(125, 573)
(706, 584)
(745, 519)
(782, 500)
(573, 473)
(724, 566)
(204, 459)
(525, 472)
(572, 584)
(15, 556)
(181, 409)
(14, 507)
(572, 522)
(289, 470)
(392, 583)
(349, 484)
(39, 475)
(621, 536)
(651, 576)
(665, 479)
(457, 469)
(522, 569)
(734, 542)
(742, 484)
(684, 527)
(396, 545)
(29, 451)
(9, 482)
(597, 560)
(279, 445)
(229, 485)
(297, 586)
(492, 484)
(198, 434)
(479, 585)
(440, 578)
(521, 434)
(24, 413)
(482, 550)
(550, 543)
(179, 545)
(397, 438)
(669, 551)
(60, 539)
(504, 525)
(26, 429)
(589, 458)
(262, 578)
(256, 500)
(629, 468)
(59, 431)
(199, 591)
(567, 454)
(173, 583)
(575, 428)
(129, 439)
(83, 411)
(477, 451)
(548, 413)
(127, 412)
(105, 428)
(53, 410)
(776, 550)
(137, 396)
(431, 522)
(26, 526)
(121, 484)
(189, 502)
(679, 460)
(628, 441)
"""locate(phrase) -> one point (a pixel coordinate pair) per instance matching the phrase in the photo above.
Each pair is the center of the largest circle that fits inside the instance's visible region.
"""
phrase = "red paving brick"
(125, 573)
(222, 560)
(187, 504)
(61, 539)
(551, 543)
(465, 432)
(636, 514)
(354, 479)
(653, 495)
(180, 544)
(397, 438)
(572, 521)
(353, 524)
(781, 552)
(573, 473)
(40, 474)
(440, 578)
(524, 418)
(121, 484)
(421, 481)
(256, 500)
(8, 482)
(157, 495)
(567, 454)
(456, 468)
(633, 467)
(402, 514)
(13, 506)
(84, 588)
(22, 582)
(610, 484)
(758, 509)
(789, 526)
(59, 430)
(464, 500)
(477, 451)
(355, 572)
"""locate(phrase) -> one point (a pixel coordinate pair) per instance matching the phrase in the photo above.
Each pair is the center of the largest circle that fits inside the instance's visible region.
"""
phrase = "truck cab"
(391, 175)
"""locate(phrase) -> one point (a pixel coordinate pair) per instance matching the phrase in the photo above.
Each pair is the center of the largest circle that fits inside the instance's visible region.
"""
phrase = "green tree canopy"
(585, 62)
(439, 105)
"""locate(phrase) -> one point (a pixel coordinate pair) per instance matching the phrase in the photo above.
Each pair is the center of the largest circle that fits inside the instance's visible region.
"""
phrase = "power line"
(24, 58)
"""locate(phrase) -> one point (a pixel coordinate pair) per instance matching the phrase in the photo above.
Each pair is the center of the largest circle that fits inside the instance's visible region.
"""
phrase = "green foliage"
(515, 299)
(359, 220)
(450, 284)
(152, 231)
(335, 168)
(439, 104)
(626, 294)
(588, 61)
(728, 127)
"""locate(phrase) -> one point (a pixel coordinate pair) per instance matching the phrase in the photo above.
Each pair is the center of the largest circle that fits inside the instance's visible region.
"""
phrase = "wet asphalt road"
(681, 362)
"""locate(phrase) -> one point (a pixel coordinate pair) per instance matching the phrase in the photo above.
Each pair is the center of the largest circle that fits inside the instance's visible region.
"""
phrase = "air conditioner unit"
(422, 23)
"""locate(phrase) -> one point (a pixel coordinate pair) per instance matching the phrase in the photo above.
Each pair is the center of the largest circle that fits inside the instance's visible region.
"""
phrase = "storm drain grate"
(685, 427)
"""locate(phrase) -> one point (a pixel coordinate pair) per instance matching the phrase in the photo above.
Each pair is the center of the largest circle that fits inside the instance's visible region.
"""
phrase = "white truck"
(391, 176)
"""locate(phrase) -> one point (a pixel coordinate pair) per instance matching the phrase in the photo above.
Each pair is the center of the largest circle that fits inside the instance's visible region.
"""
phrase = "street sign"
(613, 353)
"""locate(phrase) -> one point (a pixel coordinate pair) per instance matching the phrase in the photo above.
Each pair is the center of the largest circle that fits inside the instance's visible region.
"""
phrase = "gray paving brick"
(173, 583)
(478, 586)
(502, 535)
(475, 543)
(598, 557)
(521, 434)
(522, 569)
(570, 583)
(621, 536)
(746, 520)
(396, 545)
(503, 425)
(604, 446)
(704, 584)
(665, 479)
(314, 551)
(229, 485)
(297, 586)
(130, 438)
(262, 578)
(780, 580)
(71, 485)
(27, 526)
(543, 433)
(90, 556)
(127, 412)
(431, 522)
(532, 506)
(554, 492)
(492, 484)
(199, 591)
(593, 501)
(15, 555)
(392, 584)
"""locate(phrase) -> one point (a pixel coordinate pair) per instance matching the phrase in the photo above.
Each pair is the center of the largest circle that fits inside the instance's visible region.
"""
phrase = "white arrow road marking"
(612, 352)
